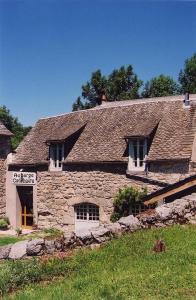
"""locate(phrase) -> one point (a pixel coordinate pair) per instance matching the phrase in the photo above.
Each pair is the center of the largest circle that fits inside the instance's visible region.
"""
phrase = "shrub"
(18, 231)
(125, 201)
(6, 219)
(3, 224)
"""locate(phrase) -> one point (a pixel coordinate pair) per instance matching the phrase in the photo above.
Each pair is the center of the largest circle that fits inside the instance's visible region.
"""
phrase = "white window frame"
(87, 207)
(132, 161)
(56, 164)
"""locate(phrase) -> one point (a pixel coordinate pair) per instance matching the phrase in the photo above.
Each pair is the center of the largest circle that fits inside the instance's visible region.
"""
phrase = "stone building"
(68, 168)
(5, 149)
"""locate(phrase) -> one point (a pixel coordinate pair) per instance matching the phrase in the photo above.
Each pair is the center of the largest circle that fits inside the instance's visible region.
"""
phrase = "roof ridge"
(128, 102)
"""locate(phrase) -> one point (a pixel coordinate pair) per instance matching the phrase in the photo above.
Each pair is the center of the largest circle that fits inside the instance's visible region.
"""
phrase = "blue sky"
(49, 48)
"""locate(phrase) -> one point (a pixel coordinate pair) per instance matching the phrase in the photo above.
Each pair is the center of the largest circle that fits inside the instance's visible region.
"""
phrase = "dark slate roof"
(105, 128)
(4, 130)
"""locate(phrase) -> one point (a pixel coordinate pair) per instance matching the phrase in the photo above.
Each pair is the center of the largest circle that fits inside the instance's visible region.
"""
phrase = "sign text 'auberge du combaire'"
(24, 178)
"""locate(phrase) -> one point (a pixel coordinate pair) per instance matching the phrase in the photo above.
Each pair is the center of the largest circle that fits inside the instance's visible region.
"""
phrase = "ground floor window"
(86, 216)
(87, 211)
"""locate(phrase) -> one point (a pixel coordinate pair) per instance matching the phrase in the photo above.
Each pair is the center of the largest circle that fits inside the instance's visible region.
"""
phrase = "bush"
(125, 201)
(3, 224)
(6, 219)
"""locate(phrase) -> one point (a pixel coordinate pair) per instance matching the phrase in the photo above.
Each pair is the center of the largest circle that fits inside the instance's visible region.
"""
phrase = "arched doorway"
(86, 216)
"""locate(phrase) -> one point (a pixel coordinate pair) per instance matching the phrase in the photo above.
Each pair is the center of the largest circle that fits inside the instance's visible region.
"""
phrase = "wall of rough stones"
(58, 192)
(169, 172)
(4, 150)
(180, 211)
(2, 187)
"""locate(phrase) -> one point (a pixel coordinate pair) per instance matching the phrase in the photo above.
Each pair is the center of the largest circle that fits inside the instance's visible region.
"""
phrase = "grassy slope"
(128, 269)
(50, 233)
(5, 240)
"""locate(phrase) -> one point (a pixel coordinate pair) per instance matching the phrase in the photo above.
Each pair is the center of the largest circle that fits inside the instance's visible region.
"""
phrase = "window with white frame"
(87, 212)
(137, 154)
(56, 156)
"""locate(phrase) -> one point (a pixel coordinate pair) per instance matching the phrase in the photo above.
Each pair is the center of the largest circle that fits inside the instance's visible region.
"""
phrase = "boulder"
(4, 251)
(84, 234)
(59, 244)
(69, 239)
(164, 211)
(130, 222)
(114, 228)
(18, 250)
(35, 247)
(101, 234)
(50, 246)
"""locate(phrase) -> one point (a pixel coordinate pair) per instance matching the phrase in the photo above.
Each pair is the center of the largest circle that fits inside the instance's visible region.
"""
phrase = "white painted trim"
(131, 162)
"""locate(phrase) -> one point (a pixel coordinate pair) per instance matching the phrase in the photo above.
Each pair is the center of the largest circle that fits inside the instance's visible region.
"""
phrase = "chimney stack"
(103, 99)
(186, 100)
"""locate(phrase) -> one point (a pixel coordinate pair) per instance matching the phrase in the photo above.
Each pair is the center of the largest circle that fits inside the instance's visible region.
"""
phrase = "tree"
(13, 125)
(77, 105)
(121, 84)
(160, 86)
(187, 76)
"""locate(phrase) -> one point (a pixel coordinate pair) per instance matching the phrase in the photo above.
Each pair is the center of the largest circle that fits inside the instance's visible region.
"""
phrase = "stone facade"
(58, 192)
(2, 187)
(169, 172)
(181, 211)
(4, 150)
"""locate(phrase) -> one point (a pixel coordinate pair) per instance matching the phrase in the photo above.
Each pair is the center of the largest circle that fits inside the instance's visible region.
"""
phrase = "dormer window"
(56, 156)
(137, 154)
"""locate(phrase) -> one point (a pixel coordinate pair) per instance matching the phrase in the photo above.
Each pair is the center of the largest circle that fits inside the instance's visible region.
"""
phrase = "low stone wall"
(178, 212)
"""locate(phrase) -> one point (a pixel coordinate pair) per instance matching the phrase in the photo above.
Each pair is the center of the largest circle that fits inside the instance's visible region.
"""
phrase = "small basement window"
(86, 216)
(137, 154)
(87, 212)
(56, 156)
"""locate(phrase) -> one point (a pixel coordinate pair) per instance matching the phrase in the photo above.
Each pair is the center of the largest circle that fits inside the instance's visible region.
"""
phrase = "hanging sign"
(24, 178)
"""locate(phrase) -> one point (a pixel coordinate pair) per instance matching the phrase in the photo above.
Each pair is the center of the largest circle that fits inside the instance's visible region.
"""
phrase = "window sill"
(55, 170)
(136, 172)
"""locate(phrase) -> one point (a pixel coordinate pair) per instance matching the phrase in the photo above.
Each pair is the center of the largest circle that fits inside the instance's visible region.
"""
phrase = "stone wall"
(180, 211)
(2, 187)
(58, 192)
(169, 172)
(4, 150)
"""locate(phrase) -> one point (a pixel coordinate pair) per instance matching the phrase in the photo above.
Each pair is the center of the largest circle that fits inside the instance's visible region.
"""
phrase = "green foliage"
(125, 200)
(187, 76)
(22, 272)
(3, 224)
(121, 84)
(13, 125)
(18, 231)
(6, 220)
(160, 86)
(126, 268)
(6, 240)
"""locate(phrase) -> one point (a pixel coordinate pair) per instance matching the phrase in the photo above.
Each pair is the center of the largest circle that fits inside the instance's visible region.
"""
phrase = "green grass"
(5, 240)
(124, 269)
(47, 233)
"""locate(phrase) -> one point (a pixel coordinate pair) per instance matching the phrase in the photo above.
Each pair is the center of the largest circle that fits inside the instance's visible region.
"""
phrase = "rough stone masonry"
(178, 212)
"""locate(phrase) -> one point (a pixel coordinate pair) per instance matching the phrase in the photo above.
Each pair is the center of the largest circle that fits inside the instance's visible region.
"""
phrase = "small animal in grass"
(159, 246)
